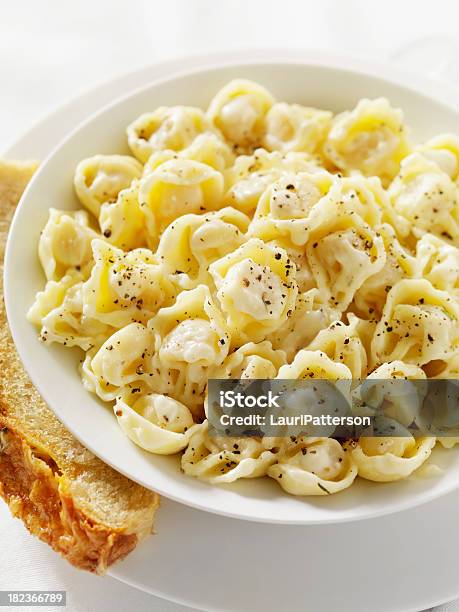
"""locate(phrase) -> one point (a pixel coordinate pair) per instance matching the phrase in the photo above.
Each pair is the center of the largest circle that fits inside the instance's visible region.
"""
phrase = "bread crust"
(83, 509)
(40, 496)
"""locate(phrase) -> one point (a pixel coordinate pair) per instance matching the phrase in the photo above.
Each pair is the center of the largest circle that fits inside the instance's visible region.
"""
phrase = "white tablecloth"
(51, 51)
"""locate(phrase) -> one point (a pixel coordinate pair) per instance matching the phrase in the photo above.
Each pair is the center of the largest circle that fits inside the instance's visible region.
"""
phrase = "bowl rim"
(421, 87)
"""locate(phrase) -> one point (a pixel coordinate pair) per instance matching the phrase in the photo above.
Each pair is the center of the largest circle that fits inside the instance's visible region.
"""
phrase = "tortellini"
(371, 138)
(190, 338)
(308, 318)
(157, 423)
(263, 240)
(320, 467)
(250, 175)
(58, 311)
(122, 222)
(206, 148)
(99, 179)
(426, 196)
(291, 127)
(191, 243)
(342, 252)
(123, 365)
(314, 364)
(444, 151)
(396, 397)
(400, 263)
(125, 287)
(175, 188)
(439, 263)
(239, 111)
(252, 361)
(303, 275)
(256, 290)
(353, 195)
(51, 297)
(224, 460)
(172, 128)
(65, 244)
(285, 205)
(419, 324)
(343, 344)
(389, 459)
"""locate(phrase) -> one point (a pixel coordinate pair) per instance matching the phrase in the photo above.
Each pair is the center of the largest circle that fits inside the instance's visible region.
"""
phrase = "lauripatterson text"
(257, 420)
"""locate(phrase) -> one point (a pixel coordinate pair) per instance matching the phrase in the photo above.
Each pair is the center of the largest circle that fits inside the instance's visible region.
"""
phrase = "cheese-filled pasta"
(371, 138)
(309, 317)
(427, 198)
(400, 401)
(439, 263)
(99, 179)
(291, 127)
(123, 365)
(173, 127)
(419, 324)
(400, 263)
(157, 423)
(51, 297)
(322, 467)
(253, 361)
(284, 207)
(65, 244)
(342, 252)
(444, 151)
(389, 459)
(175, 188)
(58, 311)
(343, 344)
(303, 275)
(207, 148)
(314, 364)
(192, 242)
(258, 239)
(224, 460)
(125, 287)
(357, 195)
(190, 338)
(256, 290)
(238, 111)
(250, 175)
(122, 222)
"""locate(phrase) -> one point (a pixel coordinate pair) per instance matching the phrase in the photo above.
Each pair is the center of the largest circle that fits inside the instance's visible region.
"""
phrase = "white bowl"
(53, 369)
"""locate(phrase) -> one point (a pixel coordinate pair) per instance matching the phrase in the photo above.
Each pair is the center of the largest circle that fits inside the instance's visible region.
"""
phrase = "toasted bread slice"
(67, 497)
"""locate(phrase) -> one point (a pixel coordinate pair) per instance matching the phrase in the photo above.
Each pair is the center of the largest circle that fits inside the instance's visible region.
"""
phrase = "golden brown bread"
(67, 497)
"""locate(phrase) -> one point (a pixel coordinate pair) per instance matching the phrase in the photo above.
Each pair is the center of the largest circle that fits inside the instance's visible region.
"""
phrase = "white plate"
(401, 562)
(317, 81)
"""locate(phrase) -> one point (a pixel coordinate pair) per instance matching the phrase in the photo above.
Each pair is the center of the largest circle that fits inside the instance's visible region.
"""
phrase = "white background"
(51, 51)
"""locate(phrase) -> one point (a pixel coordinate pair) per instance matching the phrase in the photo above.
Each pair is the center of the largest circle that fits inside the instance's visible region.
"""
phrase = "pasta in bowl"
(230, 322)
